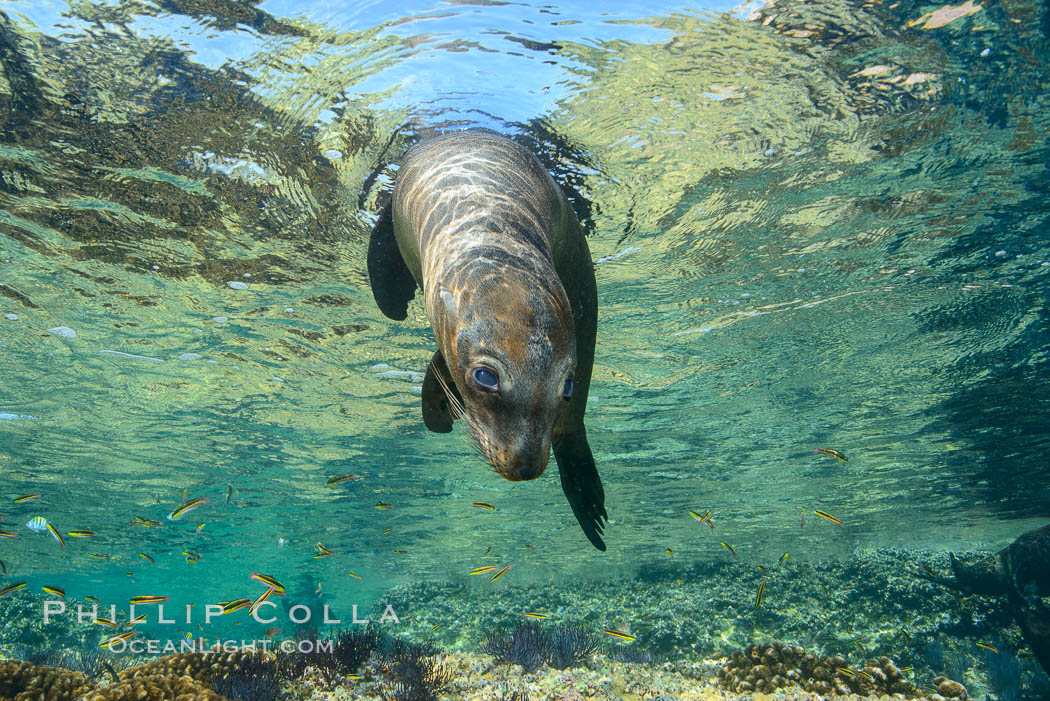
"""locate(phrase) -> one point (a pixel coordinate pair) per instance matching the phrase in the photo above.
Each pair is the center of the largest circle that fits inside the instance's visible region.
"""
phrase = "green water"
(818, 227)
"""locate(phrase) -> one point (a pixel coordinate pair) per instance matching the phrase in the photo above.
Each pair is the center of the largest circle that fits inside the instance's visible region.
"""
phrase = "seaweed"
(527, 646)
(415, 676)
(317, 655)
(944, 660)
(255, 679)
(570, 644)
(1013, 679)
(353, 647)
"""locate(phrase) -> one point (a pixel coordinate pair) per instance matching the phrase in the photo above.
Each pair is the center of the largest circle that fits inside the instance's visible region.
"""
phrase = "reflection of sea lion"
(1021, 572)
(509, 289)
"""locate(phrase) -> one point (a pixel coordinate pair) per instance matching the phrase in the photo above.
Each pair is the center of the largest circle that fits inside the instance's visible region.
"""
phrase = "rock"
(951, 689)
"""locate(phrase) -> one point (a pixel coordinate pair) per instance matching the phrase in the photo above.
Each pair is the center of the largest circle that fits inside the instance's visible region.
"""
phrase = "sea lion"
(1021, 573)
(478, 223)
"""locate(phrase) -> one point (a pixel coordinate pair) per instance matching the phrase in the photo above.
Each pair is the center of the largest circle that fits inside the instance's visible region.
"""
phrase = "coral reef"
(873, 599)
(765, 668)
(24, 680)
(183, 676)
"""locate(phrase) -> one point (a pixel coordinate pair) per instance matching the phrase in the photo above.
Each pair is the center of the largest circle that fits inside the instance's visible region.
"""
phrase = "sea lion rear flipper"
(437, 414)
(581, 484)
(392, 284)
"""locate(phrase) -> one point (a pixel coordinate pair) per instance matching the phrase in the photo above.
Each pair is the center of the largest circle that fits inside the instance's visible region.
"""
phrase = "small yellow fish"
(191, 557)
(117, 638)
(986, 646)
(761, 594)
(537, 616)
(500, 573)
(484, 505)
(99, 556)
(26, 497)
(400, 552)
(828, 516)
(147, 599)
(729, 547)
(235, 605)
(867, 676)
(388, 531)
(847, 672)
(268, 581)
(145, 522)
(833, 453)
(339, 479)
(483, 569)
(782, 558)
(322, 551)
(7, 534)
(186, 507)
(384, 505)
(263, 597)
(106, 622)
(57, 591)
(669, 552)
(56, 535)
(760, 568)
(141, 618)
(93, 598)
(355, 576)
(618, 634)
(229, 493)
(185, 493)
(705, 519)
(436, 627)
(82, 533)
(199, 528)
(146, 557)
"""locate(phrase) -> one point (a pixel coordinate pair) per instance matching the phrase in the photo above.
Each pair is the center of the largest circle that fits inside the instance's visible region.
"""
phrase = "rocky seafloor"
(870, 626)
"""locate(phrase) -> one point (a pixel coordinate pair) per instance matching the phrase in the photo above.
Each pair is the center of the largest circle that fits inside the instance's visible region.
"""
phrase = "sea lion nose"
(531, 460)
(532, 468)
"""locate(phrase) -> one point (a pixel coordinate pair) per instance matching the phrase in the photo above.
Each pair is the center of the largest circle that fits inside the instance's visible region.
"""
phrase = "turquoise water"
(819, 226)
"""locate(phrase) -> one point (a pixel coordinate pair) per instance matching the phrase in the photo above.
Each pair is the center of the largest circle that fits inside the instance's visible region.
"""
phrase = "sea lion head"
(510, 348)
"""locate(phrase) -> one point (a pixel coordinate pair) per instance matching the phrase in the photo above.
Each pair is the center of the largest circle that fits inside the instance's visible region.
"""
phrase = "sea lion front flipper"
(437, 414)
(392, 284)
(1033, 618)
(581, 484)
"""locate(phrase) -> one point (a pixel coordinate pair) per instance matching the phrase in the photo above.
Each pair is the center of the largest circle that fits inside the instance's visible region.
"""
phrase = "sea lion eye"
(566, 391)
(486, 378)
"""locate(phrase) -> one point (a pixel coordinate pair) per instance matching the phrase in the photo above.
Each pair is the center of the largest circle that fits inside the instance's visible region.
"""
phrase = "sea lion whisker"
(476, 438)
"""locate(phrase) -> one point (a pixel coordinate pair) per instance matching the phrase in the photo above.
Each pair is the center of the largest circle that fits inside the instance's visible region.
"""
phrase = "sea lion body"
(1021, 573)
(479, 225)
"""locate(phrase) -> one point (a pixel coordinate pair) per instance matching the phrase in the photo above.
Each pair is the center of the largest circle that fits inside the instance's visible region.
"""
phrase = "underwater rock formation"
(183, 677)
(766, 668)
(1021, 573)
